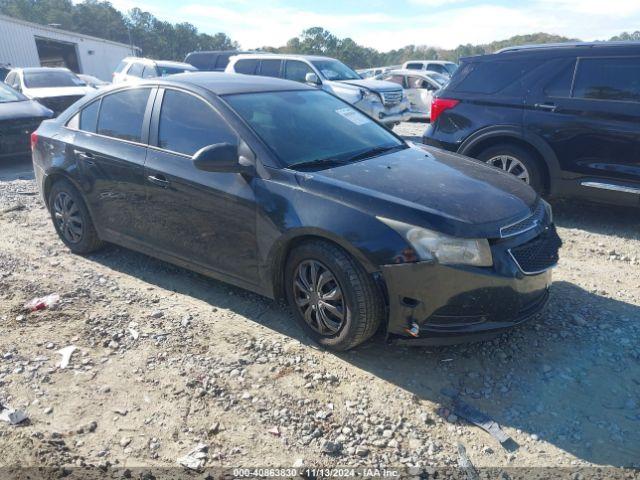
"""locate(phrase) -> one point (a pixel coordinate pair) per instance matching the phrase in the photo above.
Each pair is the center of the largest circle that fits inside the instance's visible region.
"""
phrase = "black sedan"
(290, 192)
(19, 116)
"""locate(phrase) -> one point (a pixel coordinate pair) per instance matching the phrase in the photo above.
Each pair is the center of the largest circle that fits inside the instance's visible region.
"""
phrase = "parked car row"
(288, 190)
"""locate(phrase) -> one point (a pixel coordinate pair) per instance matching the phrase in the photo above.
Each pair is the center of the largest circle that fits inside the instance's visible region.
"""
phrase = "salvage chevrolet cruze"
(288, 191)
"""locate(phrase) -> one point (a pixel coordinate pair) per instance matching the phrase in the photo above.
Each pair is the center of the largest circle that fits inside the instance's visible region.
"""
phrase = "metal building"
(26, 44)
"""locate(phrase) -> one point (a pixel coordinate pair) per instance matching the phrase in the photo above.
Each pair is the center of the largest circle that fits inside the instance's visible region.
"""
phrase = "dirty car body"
(454, 247)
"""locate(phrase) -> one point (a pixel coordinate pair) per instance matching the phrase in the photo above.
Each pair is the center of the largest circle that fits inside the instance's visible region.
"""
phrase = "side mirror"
(222, 158)
(312, 78)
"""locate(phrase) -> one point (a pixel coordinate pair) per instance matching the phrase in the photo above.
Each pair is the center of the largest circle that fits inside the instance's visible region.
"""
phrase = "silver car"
(384, 101)
(419, 87)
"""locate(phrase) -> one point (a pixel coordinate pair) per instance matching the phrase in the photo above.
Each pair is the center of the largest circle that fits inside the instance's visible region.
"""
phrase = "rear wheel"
(334, 299)
(71, 218)
(517, 161)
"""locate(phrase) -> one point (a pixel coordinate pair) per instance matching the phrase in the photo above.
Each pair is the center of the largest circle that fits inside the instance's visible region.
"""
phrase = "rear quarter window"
(491, 76)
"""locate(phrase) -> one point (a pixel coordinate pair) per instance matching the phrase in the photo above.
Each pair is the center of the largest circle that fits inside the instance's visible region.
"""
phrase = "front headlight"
(370, 96)
(435, 246)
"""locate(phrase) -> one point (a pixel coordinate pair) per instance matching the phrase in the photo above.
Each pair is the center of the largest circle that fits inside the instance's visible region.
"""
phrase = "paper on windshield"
(352, 115)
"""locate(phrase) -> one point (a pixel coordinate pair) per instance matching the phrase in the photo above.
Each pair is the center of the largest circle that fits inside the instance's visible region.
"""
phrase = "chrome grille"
(391, 97)
(525, 224)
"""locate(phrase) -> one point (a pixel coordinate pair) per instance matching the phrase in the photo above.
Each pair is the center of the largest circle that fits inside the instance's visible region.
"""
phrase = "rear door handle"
(88, 157)
(159, 180)
(550, 107)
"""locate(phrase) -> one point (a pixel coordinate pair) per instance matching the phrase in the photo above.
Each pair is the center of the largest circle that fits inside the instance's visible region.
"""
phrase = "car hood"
(374, 85)
(23, 109)
(434, 189)
(57, 92)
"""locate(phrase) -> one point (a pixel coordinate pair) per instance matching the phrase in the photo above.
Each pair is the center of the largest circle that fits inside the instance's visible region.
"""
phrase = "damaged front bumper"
(386, 114)
(437, 304)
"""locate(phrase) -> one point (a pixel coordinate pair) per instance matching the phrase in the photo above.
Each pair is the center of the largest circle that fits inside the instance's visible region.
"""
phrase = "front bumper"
(448, 304)
(386, 114)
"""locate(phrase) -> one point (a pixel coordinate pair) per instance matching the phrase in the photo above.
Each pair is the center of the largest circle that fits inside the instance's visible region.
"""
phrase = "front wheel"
(334, 299)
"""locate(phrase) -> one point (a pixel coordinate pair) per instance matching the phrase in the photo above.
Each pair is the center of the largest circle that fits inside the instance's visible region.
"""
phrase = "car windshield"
(335, 70)
(51, 79)
(8, 94)
(451, 68)
(311, 126)
(166, 71)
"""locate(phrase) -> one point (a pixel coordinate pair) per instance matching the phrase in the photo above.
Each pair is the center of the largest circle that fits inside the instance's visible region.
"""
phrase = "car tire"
(513, 159)
(359, 298)
(71, 218)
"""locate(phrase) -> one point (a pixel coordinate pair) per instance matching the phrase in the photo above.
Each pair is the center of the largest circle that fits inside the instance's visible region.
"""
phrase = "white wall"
(18, 47)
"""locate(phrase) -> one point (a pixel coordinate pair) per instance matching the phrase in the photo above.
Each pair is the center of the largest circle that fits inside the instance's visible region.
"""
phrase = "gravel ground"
(167, 359)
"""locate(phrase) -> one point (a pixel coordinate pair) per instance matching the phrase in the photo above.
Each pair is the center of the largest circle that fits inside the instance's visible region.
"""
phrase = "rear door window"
(614, 78)
(270, 68)
(248, 67)
(122, 114)
(296, 70)
(560, 83)
(136, 70)
(188, 124)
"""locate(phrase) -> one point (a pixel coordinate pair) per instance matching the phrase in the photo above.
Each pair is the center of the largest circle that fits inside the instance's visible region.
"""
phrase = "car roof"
(162, 63)
(565, 48)
(167, 63)
(408, 71)
(43, 69)
(282, 56)
(439, 62)
(542, 46)
(221, 83)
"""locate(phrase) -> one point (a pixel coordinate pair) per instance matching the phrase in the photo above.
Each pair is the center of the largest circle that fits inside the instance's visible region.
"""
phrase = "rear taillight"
(439, 105)
(34, 141)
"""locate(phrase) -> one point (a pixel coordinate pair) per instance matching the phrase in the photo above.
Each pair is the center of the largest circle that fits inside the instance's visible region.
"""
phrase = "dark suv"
(564, 118)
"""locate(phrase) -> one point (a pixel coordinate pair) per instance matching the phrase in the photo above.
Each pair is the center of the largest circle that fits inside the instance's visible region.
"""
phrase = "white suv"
(383, 101)
(134, 69)
(438, 66)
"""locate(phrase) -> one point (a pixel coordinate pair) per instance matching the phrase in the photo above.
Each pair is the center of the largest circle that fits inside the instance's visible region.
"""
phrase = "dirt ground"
(167, 359)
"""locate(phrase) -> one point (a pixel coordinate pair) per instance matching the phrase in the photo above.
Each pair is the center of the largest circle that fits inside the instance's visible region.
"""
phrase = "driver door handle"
(546, 106)
(159, 179)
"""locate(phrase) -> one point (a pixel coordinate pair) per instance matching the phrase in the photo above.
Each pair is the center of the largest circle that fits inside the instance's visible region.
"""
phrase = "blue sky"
(394, 23)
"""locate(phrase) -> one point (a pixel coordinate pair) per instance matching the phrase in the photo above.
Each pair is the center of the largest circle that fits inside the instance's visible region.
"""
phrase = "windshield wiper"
(318, 162)
(372, 152)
